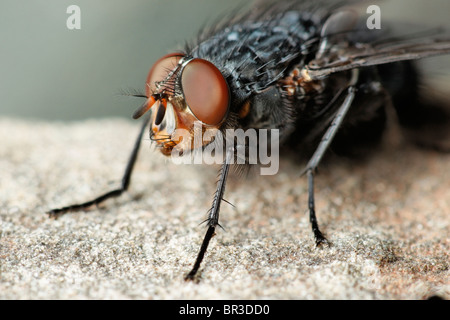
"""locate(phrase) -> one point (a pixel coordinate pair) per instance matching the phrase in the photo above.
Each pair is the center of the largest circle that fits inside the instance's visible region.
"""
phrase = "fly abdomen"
(424, 117)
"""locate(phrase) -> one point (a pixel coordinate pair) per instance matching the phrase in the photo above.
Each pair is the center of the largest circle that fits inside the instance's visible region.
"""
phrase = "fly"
(314, 73)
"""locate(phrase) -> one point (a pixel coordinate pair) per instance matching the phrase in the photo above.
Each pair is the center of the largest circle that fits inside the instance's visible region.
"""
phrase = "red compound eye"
(205, 91)
(160, 70)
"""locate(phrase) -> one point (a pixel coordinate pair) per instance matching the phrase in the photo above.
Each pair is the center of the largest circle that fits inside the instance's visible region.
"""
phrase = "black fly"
(310, 69)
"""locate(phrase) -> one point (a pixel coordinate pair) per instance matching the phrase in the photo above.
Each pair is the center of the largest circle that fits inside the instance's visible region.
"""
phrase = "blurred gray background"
(50, 72)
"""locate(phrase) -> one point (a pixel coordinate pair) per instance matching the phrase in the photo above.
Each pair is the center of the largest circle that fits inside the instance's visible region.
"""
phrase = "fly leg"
(317, 156)
(213, 214)
(55, 213)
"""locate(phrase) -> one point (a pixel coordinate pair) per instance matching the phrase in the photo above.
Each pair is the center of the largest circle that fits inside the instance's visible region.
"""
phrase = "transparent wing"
(365, 55)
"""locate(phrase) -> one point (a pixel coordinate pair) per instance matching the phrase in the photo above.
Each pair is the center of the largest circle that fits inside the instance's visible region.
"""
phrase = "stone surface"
(387, 219)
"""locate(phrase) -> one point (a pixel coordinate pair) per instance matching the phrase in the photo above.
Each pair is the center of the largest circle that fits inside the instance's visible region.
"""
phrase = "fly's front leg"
(55, 213)
(213, 214)
(317, 156)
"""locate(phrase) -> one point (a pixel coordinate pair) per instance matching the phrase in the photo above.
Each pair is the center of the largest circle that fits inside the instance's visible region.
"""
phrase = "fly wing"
(364, 55)
(422, 114)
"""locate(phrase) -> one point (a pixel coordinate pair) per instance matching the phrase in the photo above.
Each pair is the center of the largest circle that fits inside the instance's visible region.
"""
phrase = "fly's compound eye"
(205, 91)
(160, 71)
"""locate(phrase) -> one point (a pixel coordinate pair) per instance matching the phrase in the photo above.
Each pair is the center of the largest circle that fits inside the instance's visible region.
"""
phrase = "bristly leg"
(317, 156)
(55, 213)
(213, 215)
(318, 235)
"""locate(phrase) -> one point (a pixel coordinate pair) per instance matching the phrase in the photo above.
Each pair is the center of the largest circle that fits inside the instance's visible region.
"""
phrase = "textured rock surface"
(387, 218)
